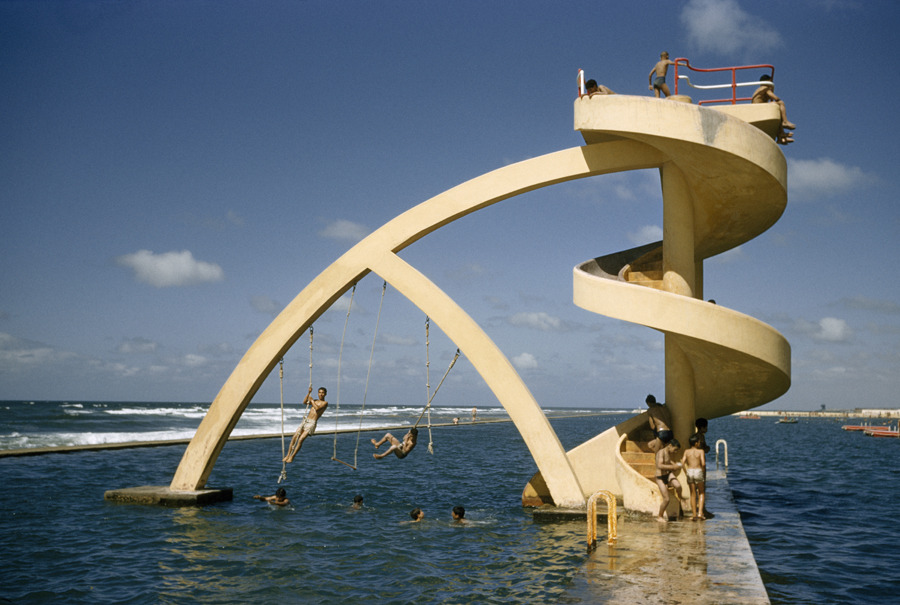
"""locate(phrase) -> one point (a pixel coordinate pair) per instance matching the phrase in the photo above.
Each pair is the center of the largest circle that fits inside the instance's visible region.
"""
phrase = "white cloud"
(722, 26)
(170, 268)
(525, 361)
(346, 231)
(234, 218)
(538, 321)
(646, 235)
(136, 345)
(827, 329)
(833, 329)
(193, 360)
(822, 178)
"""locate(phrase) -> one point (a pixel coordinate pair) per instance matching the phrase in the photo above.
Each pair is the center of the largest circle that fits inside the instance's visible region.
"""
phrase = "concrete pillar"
(679, 277)
(678, 232)
(679, 390)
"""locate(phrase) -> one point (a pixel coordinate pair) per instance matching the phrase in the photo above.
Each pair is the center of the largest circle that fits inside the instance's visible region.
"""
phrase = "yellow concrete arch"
(723, 181)
(378, 252)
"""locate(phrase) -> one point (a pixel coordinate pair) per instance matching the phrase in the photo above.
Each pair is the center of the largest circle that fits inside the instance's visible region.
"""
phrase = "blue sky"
(174, 173)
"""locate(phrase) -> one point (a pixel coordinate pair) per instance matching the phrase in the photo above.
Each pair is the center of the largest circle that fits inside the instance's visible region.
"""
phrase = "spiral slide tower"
(723, 182)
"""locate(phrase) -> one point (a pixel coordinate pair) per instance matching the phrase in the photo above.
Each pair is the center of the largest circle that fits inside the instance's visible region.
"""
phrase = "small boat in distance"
(786, 420)
(877, 431)
(864, 427)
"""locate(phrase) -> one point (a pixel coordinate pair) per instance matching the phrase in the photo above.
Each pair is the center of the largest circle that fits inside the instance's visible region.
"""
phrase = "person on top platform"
(592, 88)
(766, 94)
(657, 76)
(308, 426)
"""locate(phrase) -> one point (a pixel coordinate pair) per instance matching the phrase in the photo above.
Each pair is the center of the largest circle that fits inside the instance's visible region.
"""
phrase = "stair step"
(637, 446)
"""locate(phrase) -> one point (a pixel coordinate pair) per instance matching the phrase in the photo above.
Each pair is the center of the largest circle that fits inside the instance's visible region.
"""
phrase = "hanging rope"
(283, 474)
(340, 359)
(428, 384)
(369, 372)
(430, 395)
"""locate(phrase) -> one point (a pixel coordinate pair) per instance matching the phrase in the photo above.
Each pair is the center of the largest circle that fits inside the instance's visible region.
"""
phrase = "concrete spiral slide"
(723, 182)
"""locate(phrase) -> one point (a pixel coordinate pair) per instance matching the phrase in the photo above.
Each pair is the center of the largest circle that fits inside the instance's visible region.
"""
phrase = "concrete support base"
(164, 496)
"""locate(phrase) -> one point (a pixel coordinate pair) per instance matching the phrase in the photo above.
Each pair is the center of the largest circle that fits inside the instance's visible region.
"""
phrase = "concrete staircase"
(646, 270)
(640, 457)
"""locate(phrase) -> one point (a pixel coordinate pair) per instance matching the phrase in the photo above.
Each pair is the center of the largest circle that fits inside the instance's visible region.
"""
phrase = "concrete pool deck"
(677, 562)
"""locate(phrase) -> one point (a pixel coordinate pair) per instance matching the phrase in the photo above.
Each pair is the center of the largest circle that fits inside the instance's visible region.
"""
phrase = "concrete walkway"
(677, 562)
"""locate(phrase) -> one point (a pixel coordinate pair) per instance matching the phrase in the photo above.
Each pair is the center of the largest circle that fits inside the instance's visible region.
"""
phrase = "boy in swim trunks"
(766, 94)
(400, 448)
(695, 468)
(658, 83)
(308, 426)
(660, 420)
(665, 476)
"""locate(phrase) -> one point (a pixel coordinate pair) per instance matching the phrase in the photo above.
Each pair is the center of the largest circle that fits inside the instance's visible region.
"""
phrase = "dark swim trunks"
(659, 81)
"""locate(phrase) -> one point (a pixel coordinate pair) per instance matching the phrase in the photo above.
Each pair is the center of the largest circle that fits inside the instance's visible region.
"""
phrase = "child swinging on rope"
(308, 426)
(401, 449)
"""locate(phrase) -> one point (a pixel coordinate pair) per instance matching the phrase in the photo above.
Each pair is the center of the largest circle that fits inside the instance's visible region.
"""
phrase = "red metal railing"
(683, 62)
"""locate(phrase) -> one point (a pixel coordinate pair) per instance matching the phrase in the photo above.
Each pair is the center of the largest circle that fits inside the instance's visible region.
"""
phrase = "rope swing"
(338, 404)
(365, 391)
(283, 475)
(429, 395)
(369, 372)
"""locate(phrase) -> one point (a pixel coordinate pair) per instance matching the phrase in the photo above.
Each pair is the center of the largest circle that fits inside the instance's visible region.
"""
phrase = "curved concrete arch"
(579, 162)
(723, 182)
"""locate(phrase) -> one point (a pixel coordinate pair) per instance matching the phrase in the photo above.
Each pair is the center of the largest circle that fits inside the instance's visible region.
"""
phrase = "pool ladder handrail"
(725, 443)
(611, 526)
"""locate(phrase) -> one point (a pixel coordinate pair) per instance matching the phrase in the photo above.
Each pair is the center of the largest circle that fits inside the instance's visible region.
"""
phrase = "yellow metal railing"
(611, 529)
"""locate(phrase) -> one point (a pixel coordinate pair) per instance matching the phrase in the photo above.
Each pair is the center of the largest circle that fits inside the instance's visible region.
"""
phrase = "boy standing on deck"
(308, 426)
(695, 468)
(665, 476)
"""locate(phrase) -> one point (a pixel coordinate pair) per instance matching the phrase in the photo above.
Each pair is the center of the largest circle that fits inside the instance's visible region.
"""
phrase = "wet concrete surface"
(681, 561)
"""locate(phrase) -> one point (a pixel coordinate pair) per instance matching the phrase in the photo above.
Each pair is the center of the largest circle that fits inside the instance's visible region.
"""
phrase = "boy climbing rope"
(400, 448)
(308, 426)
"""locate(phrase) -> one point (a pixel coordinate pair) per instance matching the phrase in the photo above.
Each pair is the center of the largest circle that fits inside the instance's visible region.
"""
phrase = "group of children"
(693, 461)
(657, 83)
(664, 444)
(458, 514)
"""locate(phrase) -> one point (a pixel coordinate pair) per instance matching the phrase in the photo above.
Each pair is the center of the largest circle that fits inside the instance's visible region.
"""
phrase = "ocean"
(818, 504)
